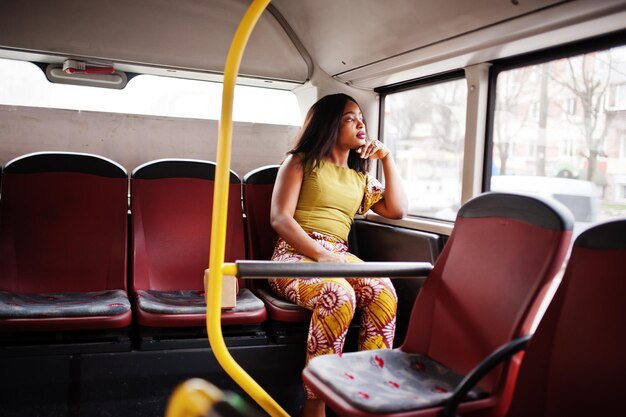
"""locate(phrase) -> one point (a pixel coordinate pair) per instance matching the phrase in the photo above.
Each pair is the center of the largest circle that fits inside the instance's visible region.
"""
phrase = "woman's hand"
(373, 149)
(394, 203)
(328, 256)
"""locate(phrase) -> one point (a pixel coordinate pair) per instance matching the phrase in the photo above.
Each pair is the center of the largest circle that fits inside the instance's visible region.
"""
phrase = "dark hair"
(320, 131)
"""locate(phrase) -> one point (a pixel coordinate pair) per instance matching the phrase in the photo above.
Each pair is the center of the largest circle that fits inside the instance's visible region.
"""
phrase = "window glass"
(24, 84)
(425, 128)
(559, 131)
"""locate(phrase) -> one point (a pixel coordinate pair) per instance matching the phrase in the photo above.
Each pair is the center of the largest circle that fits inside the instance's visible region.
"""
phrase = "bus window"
(26, 85)
(559, 131)
(425, 128)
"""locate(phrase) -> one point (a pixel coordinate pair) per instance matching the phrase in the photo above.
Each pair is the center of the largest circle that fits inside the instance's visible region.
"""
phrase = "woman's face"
(352, 133)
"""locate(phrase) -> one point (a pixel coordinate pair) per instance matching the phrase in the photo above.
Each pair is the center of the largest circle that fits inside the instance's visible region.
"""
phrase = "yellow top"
(330, 197)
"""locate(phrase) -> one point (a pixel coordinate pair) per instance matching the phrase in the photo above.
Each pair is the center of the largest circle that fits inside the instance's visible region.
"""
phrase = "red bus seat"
(574, 364)
(171, 206)
(504, 251)
(63, 243)
(258, 185)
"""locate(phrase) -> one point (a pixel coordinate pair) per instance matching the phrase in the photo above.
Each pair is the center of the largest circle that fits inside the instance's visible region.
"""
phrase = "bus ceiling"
(365, 43)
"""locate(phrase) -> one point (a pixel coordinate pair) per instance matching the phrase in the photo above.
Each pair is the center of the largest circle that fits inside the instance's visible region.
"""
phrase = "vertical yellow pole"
(220, 208)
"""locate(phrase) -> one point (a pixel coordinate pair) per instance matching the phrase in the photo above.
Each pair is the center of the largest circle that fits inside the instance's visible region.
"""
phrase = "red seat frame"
(483, 291)
(171, 205)
(574, 364)
(258, 186)
(63, 229)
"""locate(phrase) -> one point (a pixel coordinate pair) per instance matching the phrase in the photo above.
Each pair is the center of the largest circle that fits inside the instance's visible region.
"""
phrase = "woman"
(320, 187)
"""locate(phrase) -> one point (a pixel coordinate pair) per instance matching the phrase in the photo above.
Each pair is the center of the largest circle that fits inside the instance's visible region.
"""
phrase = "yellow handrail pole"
(218, 225)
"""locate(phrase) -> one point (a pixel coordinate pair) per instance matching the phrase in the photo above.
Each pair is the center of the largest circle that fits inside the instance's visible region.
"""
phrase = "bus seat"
(171, 206)
(63, 244)
(483, 291)
(377, 242)
(574, 364)
(258, 185)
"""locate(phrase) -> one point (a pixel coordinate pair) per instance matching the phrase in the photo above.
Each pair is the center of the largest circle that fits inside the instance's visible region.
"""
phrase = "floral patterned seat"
(388, 380)
(171, 205)
(63, 304)
(191, 302)
(63, 244)
(484, 290)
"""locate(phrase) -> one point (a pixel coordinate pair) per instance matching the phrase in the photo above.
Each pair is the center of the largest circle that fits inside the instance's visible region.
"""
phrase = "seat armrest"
(501, 354)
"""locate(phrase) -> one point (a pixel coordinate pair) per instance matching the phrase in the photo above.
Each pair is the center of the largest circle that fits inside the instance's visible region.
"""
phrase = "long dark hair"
(320, 132)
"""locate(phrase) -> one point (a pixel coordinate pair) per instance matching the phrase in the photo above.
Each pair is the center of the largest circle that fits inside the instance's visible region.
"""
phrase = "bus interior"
(519, 96)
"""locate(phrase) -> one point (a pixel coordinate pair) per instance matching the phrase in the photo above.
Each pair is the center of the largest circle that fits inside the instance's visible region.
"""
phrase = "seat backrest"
(258, 185)
(574, 364)
(171, 212)
(63, 224)
(504, 248)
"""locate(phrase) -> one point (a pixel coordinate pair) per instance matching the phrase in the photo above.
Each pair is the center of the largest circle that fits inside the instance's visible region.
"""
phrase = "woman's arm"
(394, 204)
(284, 202)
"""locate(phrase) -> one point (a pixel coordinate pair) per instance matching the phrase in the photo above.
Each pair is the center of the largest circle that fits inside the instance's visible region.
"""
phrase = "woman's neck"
(338, 157)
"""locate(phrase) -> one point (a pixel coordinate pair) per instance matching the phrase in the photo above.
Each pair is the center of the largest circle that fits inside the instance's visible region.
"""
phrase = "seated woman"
(320, 187)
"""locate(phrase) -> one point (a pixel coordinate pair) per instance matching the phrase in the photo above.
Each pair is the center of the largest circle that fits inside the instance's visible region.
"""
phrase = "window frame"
(384, 91)
(593, 44)
(483, 147)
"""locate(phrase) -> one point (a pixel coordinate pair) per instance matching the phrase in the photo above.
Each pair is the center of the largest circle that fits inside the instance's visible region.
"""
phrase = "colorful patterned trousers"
(333, 302)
